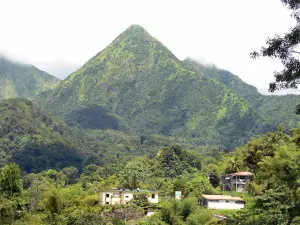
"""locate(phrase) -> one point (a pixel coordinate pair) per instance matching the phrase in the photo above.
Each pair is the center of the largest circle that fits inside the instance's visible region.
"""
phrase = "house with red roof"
(236, 181)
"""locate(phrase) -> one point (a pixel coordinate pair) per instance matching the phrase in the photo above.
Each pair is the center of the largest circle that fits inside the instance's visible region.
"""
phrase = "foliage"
(136, 85)
(285, 48)
(38, 141)
(275, 189)
(197, 186)
(10, 180)
(35, 140)
(22, 80)
(174, 161)
(274, 110)
(140, 200)
(133, 173)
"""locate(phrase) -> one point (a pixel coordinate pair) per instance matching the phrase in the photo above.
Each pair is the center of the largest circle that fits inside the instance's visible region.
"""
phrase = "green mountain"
(22, 80)
(227, 78)
(38, 141)
(273, 109)
(138, 86)
(33, 139)
(279, 109)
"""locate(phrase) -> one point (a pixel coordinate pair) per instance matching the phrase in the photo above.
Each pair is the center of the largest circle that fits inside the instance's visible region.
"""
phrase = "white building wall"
(110, 200)
(128, 196)
(114, 198)
(153, 200)
(223, 204)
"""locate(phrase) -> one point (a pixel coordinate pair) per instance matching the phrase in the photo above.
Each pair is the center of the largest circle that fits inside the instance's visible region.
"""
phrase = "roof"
(222, 197)
(244, 173)
(131, 190)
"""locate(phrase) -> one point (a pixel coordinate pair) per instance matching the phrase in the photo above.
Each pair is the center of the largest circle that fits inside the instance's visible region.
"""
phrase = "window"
(107, 195)
(107, 203)
(153, 196)
(116, 195)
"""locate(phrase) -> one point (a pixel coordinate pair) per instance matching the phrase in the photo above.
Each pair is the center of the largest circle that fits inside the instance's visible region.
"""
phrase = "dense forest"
(71, 195)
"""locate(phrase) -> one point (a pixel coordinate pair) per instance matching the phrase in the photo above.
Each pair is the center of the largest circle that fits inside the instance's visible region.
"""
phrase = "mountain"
(138, 86)
(279, 109)
(273, 109)
(227, 78)
(38, 141)
(22, 80)
(33, 139)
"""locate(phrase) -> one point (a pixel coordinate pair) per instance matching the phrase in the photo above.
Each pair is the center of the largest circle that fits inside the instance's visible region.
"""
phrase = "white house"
(122, 196)
(222, 202)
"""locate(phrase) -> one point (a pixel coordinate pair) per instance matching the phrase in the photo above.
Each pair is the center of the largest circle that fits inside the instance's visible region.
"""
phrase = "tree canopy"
(286, 49)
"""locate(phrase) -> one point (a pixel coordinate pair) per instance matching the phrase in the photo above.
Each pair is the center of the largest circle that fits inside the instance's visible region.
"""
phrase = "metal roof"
(244, 173)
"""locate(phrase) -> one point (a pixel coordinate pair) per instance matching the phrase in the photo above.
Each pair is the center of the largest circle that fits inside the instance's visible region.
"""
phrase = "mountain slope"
(33, 139)
(24, 81)
(37, 141)
(273, 109)
(227, 78)
(279, 109)
(137, 85)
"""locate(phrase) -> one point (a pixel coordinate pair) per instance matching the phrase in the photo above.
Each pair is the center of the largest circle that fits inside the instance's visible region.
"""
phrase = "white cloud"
(224, 32)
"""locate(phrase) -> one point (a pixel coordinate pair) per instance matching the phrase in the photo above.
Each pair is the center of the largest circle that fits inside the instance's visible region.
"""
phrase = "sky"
(59, 36)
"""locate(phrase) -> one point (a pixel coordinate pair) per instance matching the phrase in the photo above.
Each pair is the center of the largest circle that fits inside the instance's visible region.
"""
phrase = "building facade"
(123, 196)
(222, 202)
(236, 181)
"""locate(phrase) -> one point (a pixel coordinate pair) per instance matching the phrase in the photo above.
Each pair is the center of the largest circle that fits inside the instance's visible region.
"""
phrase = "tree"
(277, 190)
(140, 200)
(7, 211)
(173, 161)
(52, 205)
(34, 183)
(71, 174)
(286, 49)
(10, 180)
(198, 186)
(134, 173)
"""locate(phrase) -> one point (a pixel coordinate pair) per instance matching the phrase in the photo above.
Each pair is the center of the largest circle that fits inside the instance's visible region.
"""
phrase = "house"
(222, 202)
(122, 196)
(236, 181)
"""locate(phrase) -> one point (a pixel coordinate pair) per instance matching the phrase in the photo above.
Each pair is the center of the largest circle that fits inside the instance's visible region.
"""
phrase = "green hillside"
(33, 139)
(273, 109)
(22, 80)
(227, 78)
(138, 86)
(279, 109)
(37, 141)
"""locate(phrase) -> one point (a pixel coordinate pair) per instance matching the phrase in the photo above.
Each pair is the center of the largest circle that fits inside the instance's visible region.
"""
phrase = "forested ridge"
(137, 86)
(274, 109)
(23, 80)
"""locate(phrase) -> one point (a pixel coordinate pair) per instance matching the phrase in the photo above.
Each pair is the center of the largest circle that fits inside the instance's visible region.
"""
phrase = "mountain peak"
(136, 28)
(135, 32)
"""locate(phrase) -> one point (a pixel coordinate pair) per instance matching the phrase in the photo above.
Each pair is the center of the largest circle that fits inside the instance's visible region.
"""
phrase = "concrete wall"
(153, 200)
(224, 204)
(122, 197)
